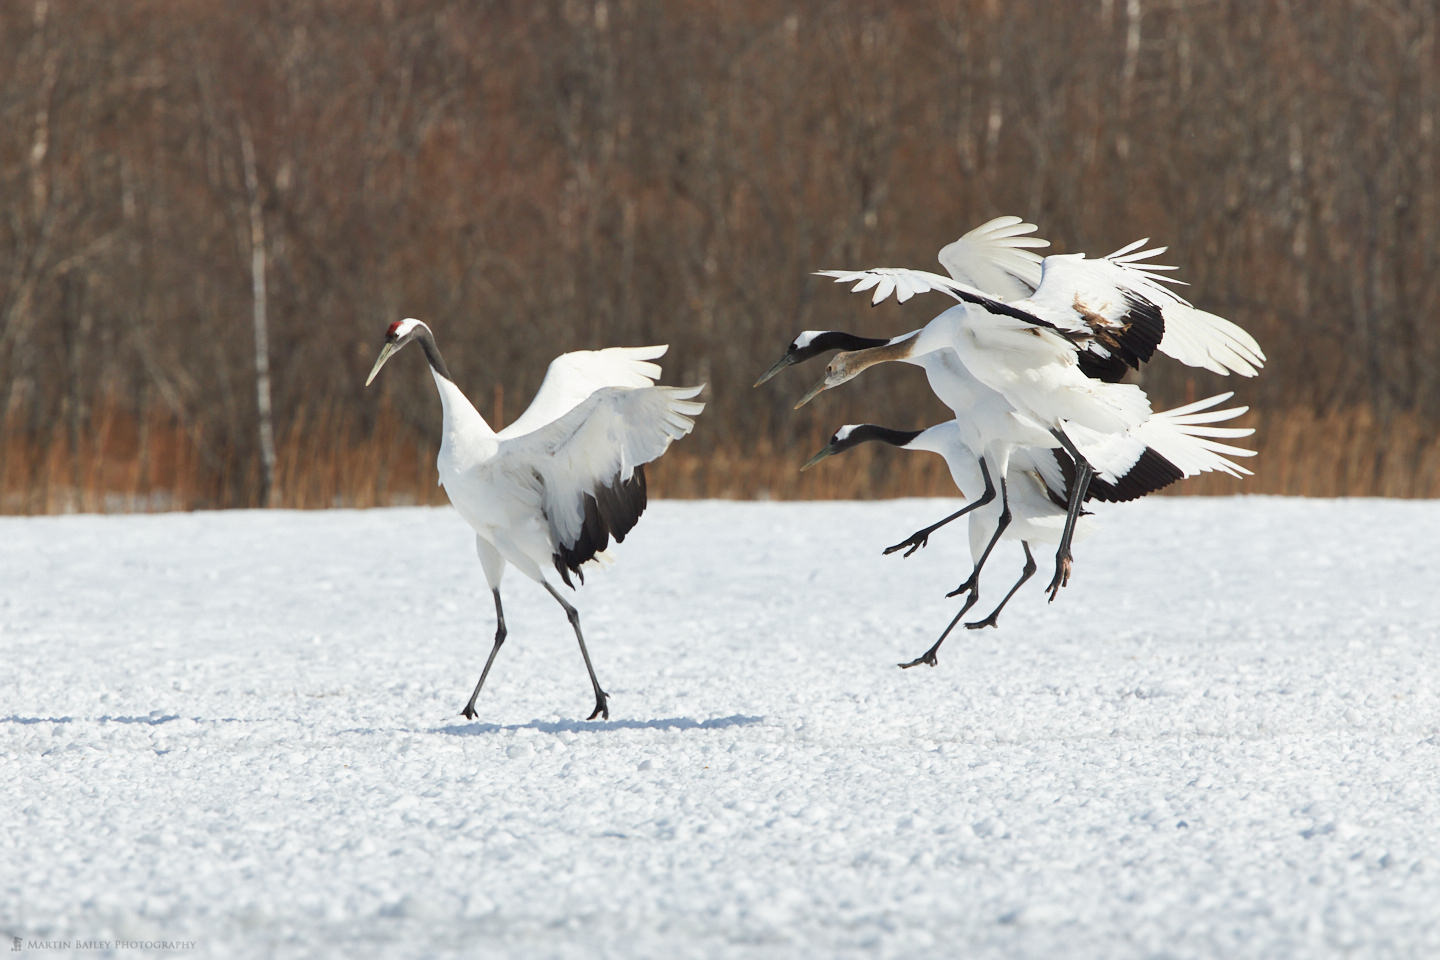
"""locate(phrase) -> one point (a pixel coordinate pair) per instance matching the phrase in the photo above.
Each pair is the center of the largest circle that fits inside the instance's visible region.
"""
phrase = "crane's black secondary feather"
(1128, 341)
(1150, 473)
(611, 510)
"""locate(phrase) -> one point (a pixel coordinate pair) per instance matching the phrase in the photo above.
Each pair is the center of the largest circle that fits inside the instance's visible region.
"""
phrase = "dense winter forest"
(212, 208)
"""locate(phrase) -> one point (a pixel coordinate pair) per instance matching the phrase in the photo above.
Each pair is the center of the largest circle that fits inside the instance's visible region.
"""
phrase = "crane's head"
(847, 364)
(400, 333)
(811, 343)
(854, 434)
(844, 366)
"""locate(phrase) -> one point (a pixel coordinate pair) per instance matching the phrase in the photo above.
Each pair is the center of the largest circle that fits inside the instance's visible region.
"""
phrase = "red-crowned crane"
(552, 488)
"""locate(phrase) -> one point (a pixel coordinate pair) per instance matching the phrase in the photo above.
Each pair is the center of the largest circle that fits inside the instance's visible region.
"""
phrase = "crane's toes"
(1061, 578)
(965, 587)
(602, 707)
(927, 658)
(469, 712)
(990, 621)
(912, 542)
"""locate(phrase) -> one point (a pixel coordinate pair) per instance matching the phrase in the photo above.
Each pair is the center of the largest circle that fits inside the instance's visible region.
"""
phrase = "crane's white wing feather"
(571, 377)
(1130, 313)
(1116, 308)
(993, 260)
(996, 257)
(586, 458)
(901, 281)
(1170, 445)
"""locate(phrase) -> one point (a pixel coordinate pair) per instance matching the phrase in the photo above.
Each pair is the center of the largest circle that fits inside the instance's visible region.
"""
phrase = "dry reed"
(327, 459)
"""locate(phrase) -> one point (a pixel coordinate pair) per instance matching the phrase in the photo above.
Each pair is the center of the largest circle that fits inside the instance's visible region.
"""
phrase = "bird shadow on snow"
(587, 726)
(152, 720)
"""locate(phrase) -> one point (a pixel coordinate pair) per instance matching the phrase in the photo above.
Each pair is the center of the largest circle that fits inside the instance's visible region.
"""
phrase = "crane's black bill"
(827, 452)
(780, 364)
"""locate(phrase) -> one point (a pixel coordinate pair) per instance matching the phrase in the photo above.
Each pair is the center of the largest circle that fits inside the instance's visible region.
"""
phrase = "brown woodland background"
(532, 177)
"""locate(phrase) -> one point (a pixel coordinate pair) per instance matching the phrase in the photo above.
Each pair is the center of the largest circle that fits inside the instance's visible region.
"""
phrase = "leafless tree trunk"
(259, 305)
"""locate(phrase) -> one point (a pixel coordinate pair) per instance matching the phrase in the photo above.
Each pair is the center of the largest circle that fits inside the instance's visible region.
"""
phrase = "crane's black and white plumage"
(997, 256)
(1050, 362)
(1039, 482)
(554, 487)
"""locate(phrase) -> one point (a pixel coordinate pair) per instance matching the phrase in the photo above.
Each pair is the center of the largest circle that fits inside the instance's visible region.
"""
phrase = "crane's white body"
(1035, 517)
(596, 417)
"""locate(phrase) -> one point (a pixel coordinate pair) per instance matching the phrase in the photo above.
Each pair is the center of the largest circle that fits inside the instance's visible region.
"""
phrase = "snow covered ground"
(241, 730)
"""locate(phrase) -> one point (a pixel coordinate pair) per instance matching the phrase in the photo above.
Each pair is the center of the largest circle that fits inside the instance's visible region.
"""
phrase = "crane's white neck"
(463, 424)
(939, 333)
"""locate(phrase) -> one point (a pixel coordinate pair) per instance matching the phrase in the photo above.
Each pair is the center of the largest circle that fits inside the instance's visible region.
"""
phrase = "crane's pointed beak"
(814, 392)
(385, 353)
(780, 364)
(828, 451)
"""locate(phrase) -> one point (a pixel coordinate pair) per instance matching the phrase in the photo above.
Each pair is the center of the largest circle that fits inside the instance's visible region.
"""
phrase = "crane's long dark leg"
(973, 583)
(1025, 574)
(1083, 473)
(919, 538)
(469, 712)
(601, 709)
(928, 657)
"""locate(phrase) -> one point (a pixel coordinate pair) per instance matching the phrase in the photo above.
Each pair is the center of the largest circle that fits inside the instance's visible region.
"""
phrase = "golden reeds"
(326, 459)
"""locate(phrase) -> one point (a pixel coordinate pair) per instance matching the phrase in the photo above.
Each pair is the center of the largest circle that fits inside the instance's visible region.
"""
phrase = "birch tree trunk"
(266, 426)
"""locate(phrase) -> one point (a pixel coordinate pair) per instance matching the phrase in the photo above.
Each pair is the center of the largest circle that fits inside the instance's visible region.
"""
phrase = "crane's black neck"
(834, 340)
(432, 352)
(873, 432)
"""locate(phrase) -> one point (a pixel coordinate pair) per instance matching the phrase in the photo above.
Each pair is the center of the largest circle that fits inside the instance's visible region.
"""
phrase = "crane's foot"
(602, 708)
(927, 658)
(915, 541)
(1062, 576)
(469, 712)
(965, 587)
(991, 621)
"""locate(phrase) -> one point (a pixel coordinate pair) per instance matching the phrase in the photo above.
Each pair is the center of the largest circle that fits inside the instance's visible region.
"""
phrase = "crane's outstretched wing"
(996, 257)
(571, 377)
(1171, 445)
(994, 262)
(905, 283)
(1130, 314)
(1115, 310)
(590, 462)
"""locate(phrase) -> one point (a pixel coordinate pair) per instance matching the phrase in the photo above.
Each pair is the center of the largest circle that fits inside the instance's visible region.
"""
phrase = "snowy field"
(241, 729)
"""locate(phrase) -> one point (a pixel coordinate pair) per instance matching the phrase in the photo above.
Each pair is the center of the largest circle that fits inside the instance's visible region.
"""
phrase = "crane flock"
(1030, 358)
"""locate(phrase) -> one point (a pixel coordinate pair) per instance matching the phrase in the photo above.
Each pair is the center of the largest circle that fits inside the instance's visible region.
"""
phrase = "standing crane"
(555, 486)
